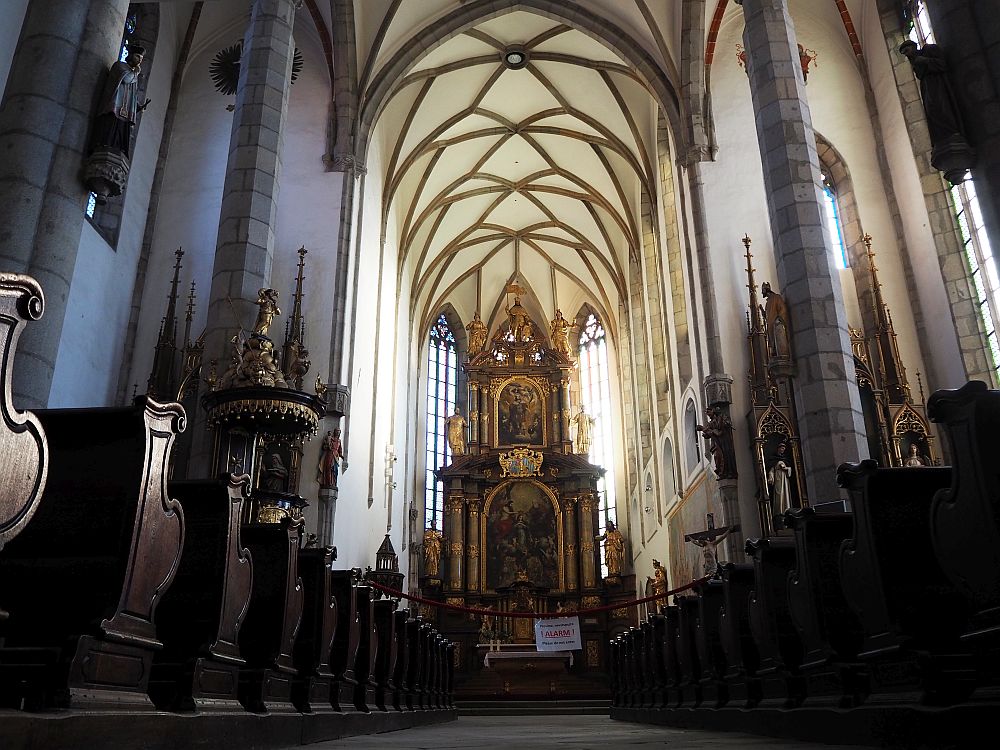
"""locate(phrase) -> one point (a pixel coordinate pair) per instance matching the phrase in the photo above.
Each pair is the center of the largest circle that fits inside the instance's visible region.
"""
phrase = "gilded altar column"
(588, 560)
(456, 541)
(474, 412)
(484, 414)
(472, 545)
(554, 399)
(564, 396)
(570, 553)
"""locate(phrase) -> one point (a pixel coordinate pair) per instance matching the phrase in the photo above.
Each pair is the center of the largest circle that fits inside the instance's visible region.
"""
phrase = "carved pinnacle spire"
(162, 378)
(294, 357)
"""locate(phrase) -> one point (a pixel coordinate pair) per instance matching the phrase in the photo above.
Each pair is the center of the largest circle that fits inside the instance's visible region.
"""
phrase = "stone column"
(969, 35)
(64, 52)
(570, 553)
(472, 545)
(454, 532)
(474, 413)
(588, 560)
(245, 245)
(831, 423)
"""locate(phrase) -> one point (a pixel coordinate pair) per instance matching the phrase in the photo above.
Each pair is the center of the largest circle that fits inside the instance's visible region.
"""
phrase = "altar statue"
(432, 551)
(456, 432)
(776, 324)
(658, 581)
(779, 479)
(267, 303)
(559, 332)
(583, 422)
(614, 550)
(477, 335)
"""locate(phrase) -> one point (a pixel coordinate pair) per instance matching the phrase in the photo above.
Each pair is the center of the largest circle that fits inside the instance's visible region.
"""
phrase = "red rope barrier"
(533, 615)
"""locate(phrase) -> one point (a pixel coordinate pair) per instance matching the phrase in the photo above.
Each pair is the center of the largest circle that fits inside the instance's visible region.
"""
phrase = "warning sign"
(560, 634)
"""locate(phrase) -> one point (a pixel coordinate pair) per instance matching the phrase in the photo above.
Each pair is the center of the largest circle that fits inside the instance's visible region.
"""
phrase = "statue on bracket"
(456, 432)
(779, 479)
(331, 456)
(119, 106)
(477, 335)
(776, 325)
(432, 551)
(950, 150)
(614, 549)
(559, 332)
(583, 422)
(718, 433)
(658, 581)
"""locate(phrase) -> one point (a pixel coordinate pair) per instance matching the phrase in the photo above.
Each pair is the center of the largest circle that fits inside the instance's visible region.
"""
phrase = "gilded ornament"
(521, 462)
(593, 654)
(586, 546)
(456, 549)
(455, 601)
(472, 551)
(590, 602)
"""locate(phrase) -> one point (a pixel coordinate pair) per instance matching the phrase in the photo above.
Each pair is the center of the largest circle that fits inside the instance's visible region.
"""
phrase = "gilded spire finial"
(162, 376)
(295, 355)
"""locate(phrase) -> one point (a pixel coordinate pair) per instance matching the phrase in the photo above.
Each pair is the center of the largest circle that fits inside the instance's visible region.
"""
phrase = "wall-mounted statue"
(777, 325)
(119, 106)
(951, 152)
(477, 335)
(330, 457)
(779, 479)
(658, 581)
(559, 332)
(456, 432)
(718, 433)
(614, 550)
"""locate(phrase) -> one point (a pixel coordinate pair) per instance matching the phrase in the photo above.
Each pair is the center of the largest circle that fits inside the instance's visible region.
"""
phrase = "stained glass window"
(595, 393)
(442, 380)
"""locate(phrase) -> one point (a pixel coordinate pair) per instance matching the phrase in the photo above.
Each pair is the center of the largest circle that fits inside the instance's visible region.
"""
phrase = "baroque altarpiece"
(521, 520)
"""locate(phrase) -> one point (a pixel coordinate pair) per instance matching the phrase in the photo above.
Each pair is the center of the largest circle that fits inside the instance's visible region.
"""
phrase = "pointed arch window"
(833, 222)
(595, 390)
(442, 390)
(969, 217)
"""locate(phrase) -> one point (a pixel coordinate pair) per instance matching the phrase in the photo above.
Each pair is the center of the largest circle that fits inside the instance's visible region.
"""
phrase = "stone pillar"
(474, 413)
(64, 52)
(570, 553)
(245, 245)
(831, 423)
(588, 560)
(472, 545)
(454, 532)
(969, 35)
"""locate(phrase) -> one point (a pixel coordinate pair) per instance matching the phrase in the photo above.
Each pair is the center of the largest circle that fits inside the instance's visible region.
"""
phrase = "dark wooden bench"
(965, 517)
(714, 690)
(742, 657)
(399, 685)
(658, 632)
(910, 613)
(828, 628)
(267, 637)
(200, 615)
(312, 689)
(364, 662)
(774, 634)
(386, 655)
(346, 639)
(689, 683)
(671, 690)
(83, 578)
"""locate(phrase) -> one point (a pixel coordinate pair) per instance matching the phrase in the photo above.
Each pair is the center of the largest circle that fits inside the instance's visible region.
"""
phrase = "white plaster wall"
(86, 371)
(10, 31)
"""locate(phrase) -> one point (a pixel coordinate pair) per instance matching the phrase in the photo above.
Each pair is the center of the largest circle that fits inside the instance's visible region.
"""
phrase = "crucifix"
(709, 540)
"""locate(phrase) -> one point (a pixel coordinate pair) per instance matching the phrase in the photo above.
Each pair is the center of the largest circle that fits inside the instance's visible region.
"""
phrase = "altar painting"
(520, 415)
(522, 534)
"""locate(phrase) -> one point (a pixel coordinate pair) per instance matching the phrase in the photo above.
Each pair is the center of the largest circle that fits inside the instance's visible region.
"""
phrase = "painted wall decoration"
(688, 517)
(520, 415)
(522, 533)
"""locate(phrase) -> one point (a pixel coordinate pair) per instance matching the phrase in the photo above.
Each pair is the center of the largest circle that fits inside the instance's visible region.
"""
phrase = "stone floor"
(569, 732)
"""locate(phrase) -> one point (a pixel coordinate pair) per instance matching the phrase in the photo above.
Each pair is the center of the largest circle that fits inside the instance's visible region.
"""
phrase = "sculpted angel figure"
(267, 302)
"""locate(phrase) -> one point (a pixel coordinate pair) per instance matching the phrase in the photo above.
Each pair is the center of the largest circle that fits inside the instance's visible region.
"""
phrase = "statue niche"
(520, 414)
(522, 537)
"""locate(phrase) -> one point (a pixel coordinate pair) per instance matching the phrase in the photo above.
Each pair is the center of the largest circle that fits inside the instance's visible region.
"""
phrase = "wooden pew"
(312, 688)
(200, 615)
(614, 671)
(346, 640)
(24, 453)
(414, 663)
(742, 657)
(399, 686)
(450, 675)
(689, 684)
(267, 637)
(671, 686)
(658, 632)
(965, 517)
(425, 636)
(385, 658)
(828, 628)
(82, 580)
(910, 613)
(364, 662)
(714, 690)
(644, 696)
(771, 624)
(633, 681)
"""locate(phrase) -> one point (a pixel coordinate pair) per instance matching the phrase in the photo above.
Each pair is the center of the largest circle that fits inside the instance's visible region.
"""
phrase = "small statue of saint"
(658, 581)
(275, 475)
(331, 454)
(267, 303)
(614, 549)
(432, 551)
(718, 433)
(119, 105)
(914, 459)
(516, 318)
(776, 324)
(455, 425)
(559, 332)
(583, 422)
(477, 335)
(951, 152)
(779, 479)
